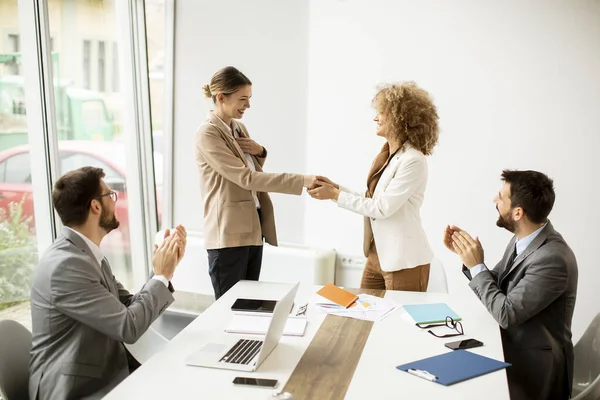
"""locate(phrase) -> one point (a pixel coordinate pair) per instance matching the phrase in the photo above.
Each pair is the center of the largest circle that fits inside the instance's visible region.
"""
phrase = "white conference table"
(395, 341)
(391, 342)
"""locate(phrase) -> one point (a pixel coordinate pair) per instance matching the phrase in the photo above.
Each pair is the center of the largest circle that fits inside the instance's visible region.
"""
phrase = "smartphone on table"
(262, 382)
(464, 344)
(254, 305)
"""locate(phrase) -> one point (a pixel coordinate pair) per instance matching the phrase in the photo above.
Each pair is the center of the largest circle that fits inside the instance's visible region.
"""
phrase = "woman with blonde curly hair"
(397, 250)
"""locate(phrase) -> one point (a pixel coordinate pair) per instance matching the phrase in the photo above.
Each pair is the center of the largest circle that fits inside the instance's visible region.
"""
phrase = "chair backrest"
(586, 374)
(437, 277)
(15, 346)
(146, 346)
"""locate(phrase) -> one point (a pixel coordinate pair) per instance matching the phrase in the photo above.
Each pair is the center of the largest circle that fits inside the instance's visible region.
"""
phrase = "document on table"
(259, 325)
(366, 307)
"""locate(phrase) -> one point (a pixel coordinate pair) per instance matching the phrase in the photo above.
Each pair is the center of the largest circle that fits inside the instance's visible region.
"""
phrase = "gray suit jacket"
(81, 316)
(533, 301)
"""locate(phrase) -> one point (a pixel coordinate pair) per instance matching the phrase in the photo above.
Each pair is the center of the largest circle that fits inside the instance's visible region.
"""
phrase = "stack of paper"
(258, 324)
(366, 307)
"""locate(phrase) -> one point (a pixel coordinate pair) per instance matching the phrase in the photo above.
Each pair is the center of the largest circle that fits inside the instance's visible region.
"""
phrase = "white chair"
(437, 277)
(15, 345)
(148, 345)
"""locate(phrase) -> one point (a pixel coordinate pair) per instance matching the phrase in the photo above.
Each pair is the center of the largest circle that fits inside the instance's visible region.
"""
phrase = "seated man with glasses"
(531, 292)
(81, 314)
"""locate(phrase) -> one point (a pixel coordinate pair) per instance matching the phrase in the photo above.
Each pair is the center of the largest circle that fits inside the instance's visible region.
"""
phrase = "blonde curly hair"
(409, 112)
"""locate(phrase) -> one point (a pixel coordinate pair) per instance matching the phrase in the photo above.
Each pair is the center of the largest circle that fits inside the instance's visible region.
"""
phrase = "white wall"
(517, 86)
(266, 40)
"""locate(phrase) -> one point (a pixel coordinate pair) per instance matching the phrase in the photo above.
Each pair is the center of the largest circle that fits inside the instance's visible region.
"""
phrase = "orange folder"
(338, 296)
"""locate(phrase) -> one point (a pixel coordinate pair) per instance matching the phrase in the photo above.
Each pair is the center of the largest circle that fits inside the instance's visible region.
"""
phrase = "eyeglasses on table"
(450, 323)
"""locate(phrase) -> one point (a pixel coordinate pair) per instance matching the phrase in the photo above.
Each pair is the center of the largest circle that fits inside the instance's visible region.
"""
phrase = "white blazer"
(394, 212)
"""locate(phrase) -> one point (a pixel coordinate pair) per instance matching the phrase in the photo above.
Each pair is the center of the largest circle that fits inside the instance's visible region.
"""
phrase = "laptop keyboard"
(243, 352)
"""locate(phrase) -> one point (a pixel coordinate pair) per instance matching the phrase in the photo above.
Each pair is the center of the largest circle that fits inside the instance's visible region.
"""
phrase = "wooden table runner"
(327, 366)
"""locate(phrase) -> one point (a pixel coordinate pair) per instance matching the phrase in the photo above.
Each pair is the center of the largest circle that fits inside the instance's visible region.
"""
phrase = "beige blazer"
(226, 185)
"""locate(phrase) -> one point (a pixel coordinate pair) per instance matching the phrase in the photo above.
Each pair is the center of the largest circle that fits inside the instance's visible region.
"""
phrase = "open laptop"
(244, 354)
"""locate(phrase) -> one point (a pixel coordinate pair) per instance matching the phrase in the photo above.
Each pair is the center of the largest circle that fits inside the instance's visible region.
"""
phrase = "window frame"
(14, 40)
(101, 66)
(86, 63)
(34, 26)
(168, 112)
(41, 117)
(143, 220)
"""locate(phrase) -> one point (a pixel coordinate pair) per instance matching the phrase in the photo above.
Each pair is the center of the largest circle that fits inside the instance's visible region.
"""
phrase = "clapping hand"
(165, 256)
(182, 236)
(469, 249)
(169, 253)
(448, 232)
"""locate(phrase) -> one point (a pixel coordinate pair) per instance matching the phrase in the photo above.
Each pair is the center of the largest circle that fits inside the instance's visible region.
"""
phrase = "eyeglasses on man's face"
(450, 323)
(112, 194)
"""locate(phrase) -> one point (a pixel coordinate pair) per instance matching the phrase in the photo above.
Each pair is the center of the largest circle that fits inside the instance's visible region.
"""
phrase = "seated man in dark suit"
(531, 292)
(81, 314)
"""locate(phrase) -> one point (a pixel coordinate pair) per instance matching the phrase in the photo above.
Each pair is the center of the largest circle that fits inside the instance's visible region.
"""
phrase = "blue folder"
(453, 367)
(430, 313)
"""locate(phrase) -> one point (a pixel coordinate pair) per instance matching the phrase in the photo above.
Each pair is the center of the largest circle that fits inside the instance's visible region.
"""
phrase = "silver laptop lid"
(277, 324)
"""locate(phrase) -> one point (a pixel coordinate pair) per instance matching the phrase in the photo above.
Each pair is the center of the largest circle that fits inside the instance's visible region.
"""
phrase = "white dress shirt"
(520, 246)
(248, 156)
(99, 256)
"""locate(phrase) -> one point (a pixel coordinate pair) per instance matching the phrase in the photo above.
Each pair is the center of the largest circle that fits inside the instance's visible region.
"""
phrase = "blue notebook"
(453, 367)
(430, 313)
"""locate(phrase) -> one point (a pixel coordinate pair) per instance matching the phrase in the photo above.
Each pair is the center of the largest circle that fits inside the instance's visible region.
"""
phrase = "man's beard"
(108, 222)
(506, 222)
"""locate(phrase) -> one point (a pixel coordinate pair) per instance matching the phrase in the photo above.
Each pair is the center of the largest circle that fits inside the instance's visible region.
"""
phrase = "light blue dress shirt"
(520, 245)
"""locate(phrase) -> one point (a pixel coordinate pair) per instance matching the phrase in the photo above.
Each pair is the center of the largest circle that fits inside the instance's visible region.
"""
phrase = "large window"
(89, 128)
(155, 39)
(14, 46)
(17, 168)
(101, 67)
(87, 64)
(90, 131)
(115, 67)
(18, 251)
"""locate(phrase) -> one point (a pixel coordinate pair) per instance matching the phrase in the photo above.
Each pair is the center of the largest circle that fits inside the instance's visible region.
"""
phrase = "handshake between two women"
(323, 189)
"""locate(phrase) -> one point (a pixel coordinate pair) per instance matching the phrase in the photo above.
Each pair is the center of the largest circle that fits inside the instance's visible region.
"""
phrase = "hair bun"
(206, 90)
